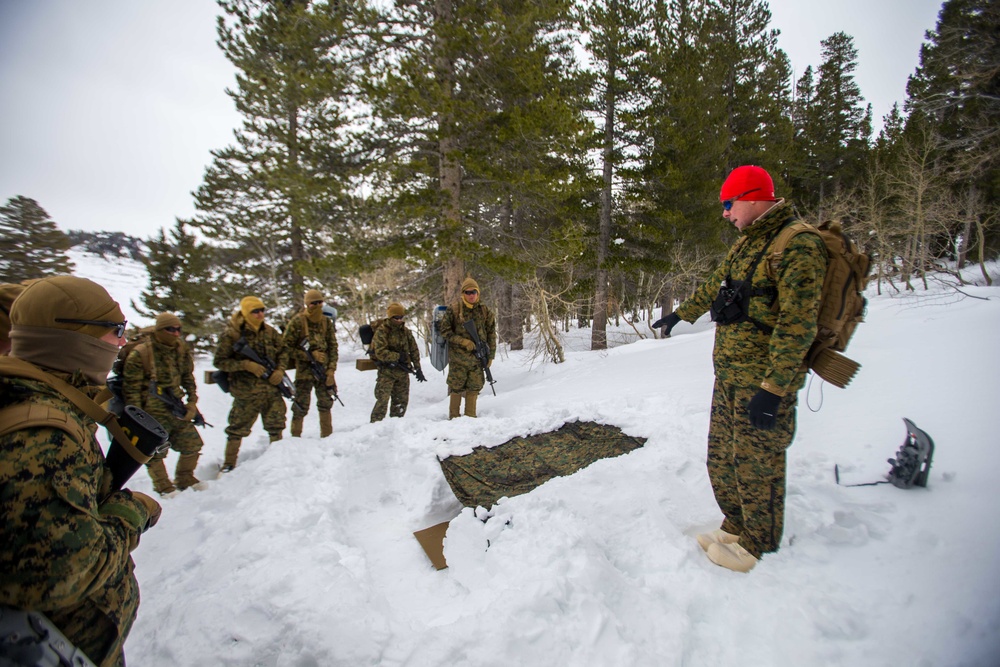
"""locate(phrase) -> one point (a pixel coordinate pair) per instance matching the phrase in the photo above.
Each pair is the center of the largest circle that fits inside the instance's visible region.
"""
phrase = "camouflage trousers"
(263, 400)
(391, 385)
(746, 466)
(305, 382)
(465, 373)
(184, 436)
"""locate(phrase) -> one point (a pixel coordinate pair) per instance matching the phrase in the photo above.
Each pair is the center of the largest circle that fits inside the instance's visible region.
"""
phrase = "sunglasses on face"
(119, 327)
(175, 330)
(315, 303)
(727, 205)
(470, 292)
(398, 318)
(258, 311)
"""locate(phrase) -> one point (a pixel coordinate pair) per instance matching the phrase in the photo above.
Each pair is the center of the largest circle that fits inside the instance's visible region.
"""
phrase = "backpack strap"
(145, 350)
(33, 415)
(13, 367)
(781, 242)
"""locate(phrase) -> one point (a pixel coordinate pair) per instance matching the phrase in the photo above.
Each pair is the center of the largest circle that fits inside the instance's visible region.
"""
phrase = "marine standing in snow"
(65, 541)
(312, 326)
(254, 392)
(166, 361)
(759, 367)
(395, 351)
(465, 373)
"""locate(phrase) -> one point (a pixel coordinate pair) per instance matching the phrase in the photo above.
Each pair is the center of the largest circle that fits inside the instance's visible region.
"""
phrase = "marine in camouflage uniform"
(312, 325)
(395, 351)
(166, 359)
(758, 368)
(65, 541)
(465, 373)
(254, 391)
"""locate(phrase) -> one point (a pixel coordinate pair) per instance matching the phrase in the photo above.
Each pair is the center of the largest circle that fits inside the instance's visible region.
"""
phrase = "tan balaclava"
(164, 320)
(395, 310)
(8, 292)
(469, 284)
(36, 337)
(314, 313)
(247, 305)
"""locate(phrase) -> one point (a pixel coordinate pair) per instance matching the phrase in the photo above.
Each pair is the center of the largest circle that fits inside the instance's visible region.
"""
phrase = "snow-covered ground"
(304, 555)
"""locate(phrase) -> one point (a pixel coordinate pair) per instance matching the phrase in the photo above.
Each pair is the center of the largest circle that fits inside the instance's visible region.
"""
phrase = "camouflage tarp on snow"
(521, 464)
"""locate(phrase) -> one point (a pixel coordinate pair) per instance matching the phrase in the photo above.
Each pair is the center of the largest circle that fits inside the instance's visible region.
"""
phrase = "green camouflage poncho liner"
(522, 464)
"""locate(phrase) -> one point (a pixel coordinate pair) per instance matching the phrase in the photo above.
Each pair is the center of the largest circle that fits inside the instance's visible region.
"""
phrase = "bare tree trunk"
(294, 212)
(448, 151)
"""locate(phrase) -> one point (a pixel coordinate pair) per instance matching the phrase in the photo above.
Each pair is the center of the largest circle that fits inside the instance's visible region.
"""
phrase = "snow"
(304, 555)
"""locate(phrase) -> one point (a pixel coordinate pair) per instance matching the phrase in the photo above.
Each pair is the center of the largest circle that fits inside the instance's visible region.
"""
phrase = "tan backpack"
(842, 302)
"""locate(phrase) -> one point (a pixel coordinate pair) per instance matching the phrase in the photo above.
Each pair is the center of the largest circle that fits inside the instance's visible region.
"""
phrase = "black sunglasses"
(172, 329)
(398, 317)
(119, 327)
(727, 205)
(470, 292)
(315, 303)
(256, 311)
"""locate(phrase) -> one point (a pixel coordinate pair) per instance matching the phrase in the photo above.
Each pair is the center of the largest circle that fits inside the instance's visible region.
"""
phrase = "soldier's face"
(743, 213)
(114, 339)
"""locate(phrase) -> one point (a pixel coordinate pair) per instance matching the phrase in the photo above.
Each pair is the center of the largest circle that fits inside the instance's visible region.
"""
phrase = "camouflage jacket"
(453, 330)
(58, 553)
(322, 337)
(395, 343)
(267, 342)
(743, 353)
(174, 370)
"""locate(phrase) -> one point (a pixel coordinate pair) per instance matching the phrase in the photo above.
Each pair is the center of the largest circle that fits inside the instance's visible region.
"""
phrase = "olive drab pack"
(842, 303)
(367, 335)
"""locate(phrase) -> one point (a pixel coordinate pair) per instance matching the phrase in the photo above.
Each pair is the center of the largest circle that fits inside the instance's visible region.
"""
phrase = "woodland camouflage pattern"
(393, 342)
(746, 465)
(522, 464)
(58, 554)
(322, 337)
(252, 396)
(174, 370)
(464, 371)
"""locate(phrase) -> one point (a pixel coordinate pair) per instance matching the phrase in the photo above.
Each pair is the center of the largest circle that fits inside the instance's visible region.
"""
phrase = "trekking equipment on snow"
(439, 346)
(912, 464)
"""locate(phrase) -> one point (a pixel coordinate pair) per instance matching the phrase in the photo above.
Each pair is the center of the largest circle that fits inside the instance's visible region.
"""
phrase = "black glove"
(668, 323)
(763, 409)
(420, 375)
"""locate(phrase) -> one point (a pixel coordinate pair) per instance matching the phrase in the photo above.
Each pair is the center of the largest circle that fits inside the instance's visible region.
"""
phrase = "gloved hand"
(420, 375)
(330, 382)
(763, 409)
(137, 510)
(252, 367)
(192, 410)
(319, 356)
(668, 323)
(276, 377)
(467, 344)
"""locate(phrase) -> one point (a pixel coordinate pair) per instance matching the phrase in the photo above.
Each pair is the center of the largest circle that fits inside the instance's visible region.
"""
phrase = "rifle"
(242, 347)
(317, 369)
(482, 352)
(177, 408)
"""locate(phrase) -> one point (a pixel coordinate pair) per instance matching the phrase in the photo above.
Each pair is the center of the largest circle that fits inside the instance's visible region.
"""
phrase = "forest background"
(567, 154)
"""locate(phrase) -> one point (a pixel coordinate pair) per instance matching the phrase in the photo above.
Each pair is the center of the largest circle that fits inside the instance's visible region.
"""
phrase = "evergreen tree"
(31, 246)
(279, 198)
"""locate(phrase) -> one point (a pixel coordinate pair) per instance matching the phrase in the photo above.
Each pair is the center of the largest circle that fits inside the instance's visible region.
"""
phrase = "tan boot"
(455, 406)
(273, 437)
(232, 451)
(161, 480)
(296, 427)
(731, 556)
(471, 397)
(325, 424)
(717, 536)
(184, 475)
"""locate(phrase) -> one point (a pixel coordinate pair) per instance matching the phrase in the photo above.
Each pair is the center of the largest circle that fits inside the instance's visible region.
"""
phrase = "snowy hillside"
(304, 555)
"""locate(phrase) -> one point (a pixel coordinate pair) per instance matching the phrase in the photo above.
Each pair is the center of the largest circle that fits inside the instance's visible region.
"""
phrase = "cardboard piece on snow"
(365, 365)
(432, 540)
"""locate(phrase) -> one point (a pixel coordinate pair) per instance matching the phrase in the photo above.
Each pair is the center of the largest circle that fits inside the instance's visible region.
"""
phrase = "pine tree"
(31, 246)
(279, 198)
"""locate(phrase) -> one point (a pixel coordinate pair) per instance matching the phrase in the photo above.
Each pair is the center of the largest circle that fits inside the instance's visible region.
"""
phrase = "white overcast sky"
(109, 108)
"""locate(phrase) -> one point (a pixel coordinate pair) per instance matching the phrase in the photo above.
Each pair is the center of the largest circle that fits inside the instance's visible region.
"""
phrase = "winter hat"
(395, 310)
(469, 284)
(65, 297)
(8, 292)
(748, 183)
(164, 320)
(313, 295)
(248, 304)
